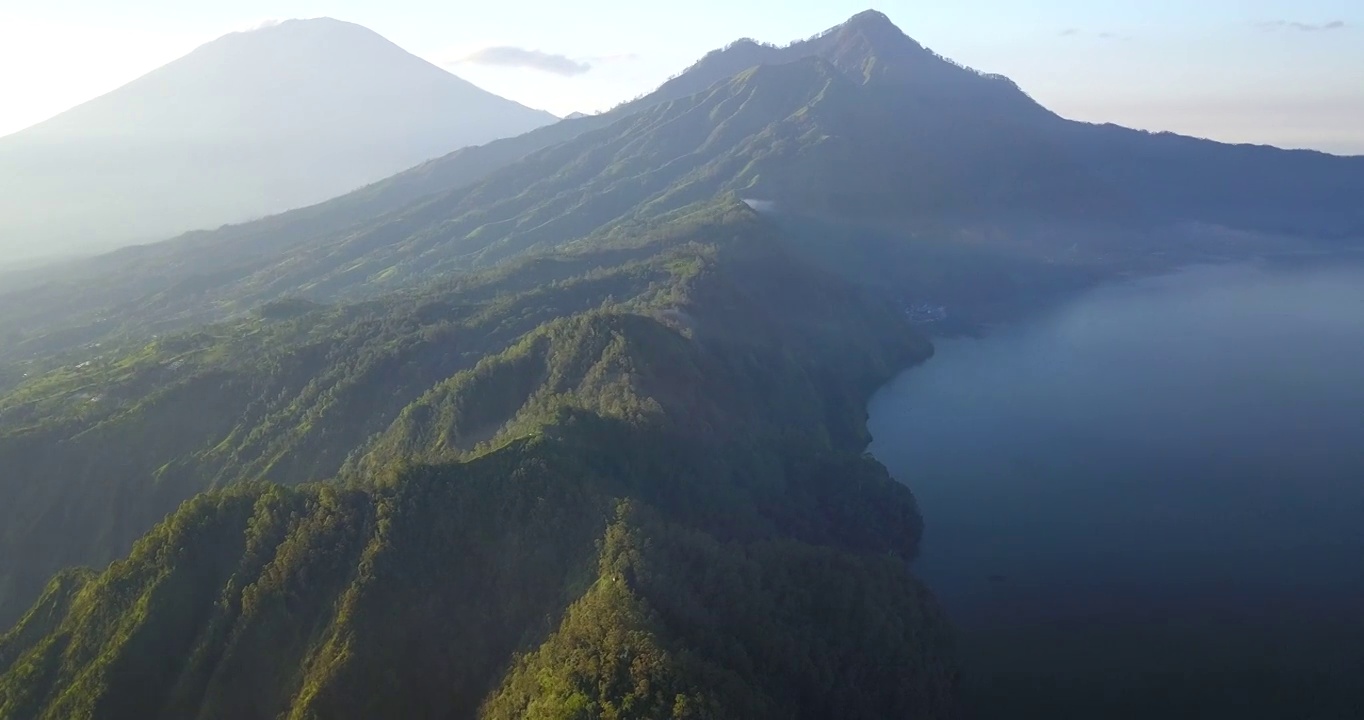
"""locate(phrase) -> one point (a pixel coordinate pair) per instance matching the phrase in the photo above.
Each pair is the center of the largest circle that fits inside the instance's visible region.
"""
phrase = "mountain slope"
(785, 131)
(250, 124)
(286, 395)
(675, 576)
(859, 123)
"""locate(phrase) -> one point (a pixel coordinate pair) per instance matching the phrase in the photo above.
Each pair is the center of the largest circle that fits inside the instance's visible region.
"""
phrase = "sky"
(1263, 71)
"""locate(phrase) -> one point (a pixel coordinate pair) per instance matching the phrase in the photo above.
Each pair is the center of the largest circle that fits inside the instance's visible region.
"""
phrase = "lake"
(1150, 499)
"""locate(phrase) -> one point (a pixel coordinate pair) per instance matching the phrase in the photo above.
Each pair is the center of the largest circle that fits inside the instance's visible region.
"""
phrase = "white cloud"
(511, 56)
(1302, 26)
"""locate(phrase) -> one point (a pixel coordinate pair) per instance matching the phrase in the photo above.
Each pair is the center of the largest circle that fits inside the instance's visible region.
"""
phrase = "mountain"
(569, 424)
(248, 125)
(859, 123)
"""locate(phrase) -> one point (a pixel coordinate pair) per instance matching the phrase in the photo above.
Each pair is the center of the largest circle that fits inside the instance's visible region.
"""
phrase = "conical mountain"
(248, 125)
(868, 48)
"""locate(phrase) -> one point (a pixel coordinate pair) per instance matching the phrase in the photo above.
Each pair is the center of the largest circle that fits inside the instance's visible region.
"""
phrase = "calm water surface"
(1177, 461)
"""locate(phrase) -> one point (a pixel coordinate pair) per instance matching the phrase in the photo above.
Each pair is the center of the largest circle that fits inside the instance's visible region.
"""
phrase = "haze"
(1266, 71)
(251, 124)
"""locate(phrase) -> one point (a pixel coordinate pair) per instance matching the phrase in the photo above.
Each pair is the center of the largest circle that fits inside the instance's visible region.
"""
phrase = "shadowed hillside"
(674, 575)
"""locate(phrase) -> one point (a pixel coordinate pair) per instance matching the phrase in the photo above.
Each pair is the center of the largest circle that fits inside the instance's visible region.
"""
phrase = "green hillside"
(285, 395)
(634, 510)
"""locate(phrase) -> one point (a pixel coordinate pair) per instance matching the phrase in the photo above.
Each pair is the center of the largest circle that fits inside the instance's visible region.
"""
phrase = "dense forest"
(650, 503)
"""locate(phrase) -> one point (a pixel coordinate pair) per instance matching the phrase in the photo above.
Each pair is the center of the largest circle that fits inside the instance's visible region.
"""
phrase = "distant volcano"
(250, 124)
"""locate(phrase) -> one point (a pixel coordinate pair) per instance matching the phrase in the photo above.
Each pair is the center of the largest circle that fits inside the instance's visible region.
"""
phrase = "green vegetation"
(287, 400)
(646, 499)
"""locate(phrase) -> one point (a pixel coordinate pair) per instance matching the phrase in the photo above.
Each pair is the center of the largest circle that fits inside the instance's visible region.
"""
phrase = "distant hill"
(248, 125)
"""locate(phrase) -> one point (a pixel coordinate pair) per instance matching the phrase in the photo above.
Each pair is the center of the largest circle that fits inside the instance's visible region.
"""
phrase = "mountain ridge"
(923, 94)
(471, 165)
(740, 476)
(334, 216)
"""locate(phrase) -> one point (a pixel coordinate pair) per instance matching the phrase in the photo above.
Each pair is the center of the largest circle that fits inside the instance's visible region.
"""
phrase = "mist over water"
(1182, 448)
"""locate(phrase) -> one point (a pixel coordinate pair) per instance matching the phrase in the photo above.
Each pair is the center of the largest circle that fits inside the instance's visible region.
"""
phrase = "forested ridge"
(635, 508)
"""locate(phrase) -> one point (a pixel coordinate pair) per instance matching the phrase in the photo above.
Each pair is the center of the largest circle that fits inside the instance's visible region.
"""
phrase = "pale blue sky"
(1287, 73)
